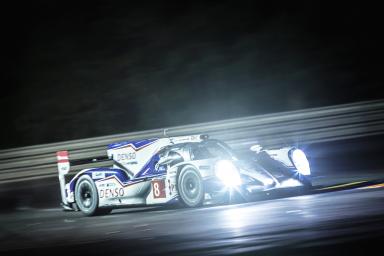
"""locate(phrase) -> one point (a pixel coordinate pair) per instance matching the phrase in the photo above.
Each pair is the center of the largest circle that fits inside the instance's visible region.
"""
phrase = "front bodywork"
(280, 164)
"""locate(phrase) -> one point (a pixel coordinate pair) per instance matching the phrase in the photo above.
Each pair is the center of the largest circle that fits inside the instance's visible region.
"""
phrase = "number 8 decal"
(158, 188)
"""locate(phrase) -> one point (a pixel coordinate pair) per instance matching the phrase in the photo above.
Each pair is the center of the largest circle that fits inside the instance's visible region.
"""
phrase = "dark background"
(80, 69)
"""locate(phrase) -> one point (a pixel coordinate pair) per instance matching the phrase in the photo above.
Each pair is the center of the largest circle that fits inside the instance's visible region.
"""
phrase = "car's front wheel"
(190, 187)
(86, 197)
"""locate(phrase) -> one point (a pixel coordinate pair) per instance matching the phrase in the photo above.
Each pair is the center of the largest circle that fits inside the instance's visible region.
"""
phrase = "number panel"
(158, 189)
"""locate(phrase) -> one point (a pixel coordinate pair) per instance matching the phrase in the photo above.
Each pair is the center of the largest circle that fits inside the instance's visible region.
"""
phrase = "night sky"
(81, 69)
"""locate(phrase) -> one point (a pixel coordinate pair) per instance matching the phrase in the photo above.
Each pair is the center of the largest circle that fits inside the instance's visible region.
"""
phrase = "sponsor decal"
(171, 187)
(158, 189)
(125, 156)
(98, 175)
(63, 168)
(102, 185)
(110, 193)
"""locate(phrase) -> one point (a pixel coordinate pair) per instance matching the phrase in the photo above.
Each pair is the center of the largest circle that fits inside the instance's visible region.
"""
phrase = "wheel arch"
(93, 173)
(198, 166)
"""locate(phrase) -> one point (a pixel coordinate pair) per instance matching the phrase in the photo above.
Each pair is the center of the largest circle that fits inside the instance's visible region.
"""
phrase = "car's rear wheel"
(190, 187)
(87, 198)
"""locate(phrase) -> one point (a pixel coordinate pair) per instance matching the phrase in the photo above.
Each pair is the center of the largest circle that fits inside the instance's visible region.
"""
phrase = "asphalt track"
(344, 215)
(328, 221)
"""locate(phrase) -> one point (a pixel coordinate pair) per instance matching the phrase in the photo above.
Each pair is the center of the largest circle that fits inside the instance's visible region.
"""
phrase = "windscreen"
(210, 149)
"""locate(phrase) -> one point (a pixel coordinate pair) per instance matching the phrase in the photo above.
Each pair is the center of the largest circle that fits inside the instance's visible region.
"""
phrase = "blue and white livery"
(192, 170)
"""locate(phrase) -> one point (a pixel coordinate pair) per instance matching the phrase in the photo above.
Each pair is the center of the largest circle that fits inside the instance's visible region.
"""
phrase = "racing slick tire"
(190, 187)
(87, 198)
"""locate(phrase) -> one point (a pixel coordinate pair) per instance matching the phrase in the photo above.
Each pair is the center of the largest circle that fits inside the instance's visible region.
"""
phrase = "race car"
(192, 170)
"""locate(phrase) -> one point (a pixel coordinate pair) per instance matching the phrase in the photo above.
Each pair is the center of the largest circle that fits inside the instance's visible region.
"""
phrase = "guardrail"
(285, 128)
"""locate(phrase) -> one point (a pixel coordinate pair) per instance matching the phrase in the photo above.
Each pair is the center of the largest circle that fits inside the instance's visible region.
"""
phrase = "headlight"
(291, 183)
(300, 161)
(227, 172)
(268, 181)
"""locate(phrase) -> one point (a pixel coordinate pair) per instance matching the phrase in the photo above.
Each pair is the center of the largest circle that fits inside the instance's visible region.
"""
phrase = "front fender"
(205, 167)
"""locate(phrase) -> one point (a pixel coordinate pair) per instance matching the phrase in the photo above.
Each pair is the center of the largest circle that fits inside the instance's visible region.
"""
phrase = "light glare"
(227, 172)
(301, 162)
(291, 183)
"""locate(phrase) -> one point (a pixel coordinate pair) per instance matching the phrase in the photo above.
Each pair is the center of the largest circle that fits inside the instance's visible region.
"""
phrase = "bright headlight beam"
(290, 183)
(301, 162)
(227, 172)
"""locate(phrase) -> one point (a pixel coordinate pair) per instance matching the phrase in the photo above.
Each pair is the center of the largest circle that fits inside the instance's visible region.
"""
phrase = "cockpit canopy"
(195, 151)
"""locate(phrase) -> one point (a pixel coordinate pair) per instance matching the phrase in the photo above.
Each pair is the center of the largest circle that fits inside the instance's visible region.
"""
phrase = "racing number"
(158, 188)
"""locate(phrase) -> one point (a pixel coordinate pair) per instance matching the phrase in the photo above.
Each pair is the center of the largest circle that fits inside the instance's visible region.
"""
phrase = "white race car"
(192, 170)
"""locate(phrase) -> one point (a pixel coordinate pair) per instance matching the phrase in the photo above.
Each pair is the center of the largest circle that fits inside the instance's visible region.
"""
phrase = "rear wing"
(63, 166)
(66, 167)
